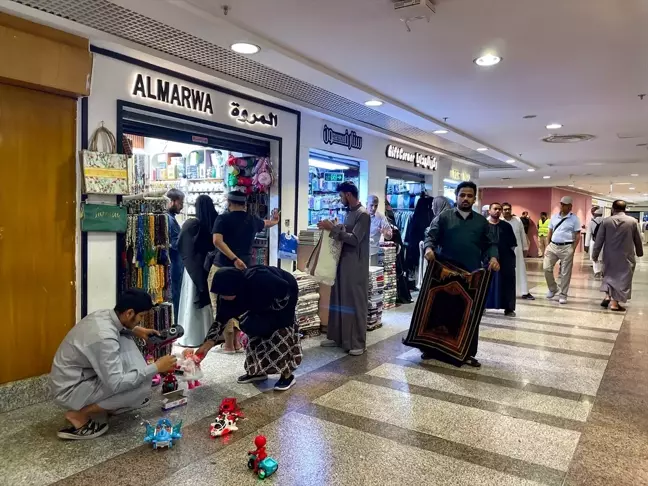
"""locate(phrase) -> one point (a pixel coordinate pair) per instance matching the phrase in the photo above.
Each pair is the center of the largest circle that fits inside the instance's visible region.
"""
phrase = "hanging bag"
(322, 264)
(104, 171)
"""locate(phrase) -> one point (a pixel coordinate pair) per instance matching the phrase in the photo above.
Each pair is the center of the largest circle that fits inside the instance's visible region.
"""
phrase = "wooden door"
(37, 228)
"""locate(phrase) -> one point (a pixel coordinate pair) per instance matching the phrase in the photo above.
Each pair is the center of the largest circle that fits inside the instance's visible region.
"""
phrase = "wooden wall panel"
(37, 228)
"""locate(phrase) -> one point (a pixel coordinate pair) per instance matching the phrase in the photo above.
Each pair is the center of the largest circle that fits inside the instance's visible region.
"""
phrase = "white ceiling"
(581, 63)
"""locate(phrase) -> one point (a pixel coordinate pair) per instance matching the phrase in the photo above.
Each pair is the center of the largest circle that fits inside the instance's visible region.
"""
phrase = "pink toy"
(190, 365)
(157, 379)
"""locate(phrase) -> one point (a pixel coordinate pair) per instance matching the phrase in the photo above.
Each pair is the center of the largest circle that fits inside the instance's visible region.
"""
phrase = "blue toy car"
(267, 467)
(164, 434)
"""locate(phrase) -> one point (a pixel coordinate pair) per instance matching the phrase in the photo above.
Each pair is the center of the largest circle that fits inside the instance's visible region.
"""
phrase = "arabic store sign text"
(172, 94)
(242, 116)
(416, 158)
(348, 139)
(458, 175)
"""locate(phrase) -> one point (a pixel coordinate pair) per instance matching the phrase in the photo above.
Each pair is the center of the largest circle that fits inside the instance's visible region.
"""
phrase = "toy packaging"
(174, 399)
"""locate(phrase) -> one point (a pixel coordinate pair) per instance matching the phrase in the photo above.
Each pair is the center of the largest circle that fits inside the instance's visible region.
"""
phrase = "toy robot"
(164, 434)
(259, 461)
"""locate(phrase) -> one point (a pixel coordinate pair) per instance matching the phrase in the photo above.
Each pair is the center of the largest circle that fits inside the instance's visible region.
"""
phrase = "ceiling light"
(634, 175)
(631, 188)
(554, 126)
(373, 103)
(440, 132)
(644, 194)
(482, 149)
(487, 60)
(530, 170)
(571, 185)
(510, 187)
(546, 177)
(510, 161)
(580, 188)
(622, 183)
(323, 164)
(245, 48)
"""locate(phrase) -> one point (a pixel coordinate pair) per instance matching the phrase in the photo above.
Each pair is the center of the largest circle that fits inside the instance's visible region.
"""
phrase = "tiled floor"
(562, 398)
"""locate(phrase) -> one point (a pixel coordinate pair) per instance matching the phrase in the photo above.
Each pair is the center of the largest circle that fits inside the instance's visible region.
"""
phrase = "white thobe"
(521, 284)
(589, 242)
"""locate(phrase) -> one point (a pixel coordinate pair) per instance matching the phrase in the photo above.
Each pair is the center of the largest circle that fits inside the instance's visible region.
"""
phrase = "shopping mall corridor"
(561, 399)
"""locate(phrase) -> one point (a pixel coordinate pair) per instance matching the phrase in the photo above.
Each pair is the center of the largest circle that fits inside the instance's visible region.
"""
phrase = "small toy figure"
(230, 407)
(157, 379)
(170, 383)
(259, 461)
(164, 434)
(224, 425)
(190, 365)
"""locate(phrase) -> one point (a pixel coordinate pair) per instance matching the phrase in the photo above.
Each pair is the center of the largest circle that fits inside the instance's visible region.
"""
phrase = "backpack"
(595, 232)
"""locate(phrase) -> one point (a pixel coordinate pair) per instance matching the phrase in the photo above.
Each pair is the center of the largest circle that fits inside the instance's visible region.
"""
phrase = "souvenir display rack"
(323, 198)
(375, 298)
(307, 312)
(388, 250)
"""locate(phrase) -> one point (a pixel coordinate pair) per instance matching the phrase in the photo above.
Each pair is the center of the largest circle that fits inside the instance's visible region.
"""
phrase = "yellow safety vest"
(543, 228)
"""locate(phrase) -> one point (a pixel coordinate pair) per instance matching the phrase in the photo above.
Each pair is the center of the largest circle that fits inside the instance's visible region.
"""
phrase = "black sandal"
(605, 303)
(618, 309)
(89, 430)
(471, 361)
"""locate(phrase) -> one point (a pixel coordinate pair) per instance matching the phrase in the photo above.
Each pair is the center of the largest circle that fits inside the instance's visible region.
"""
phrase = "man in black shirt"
(234, 233)
(174, 207)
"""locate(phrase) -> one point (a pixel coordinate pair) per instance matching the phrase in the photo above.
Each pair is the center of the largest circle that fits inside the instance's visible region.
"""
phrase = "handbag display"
(322, 264)
(104, 172)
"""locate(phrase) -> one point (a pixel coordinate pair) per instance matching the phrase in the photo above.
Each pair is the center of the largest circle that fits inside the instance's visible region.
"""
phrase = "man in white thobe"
(590, 237)
(521, 283)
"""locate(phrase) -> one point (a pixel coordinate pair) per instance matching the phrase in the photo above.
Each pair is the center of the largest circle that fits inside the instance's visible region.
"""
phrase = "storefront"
(190, 134)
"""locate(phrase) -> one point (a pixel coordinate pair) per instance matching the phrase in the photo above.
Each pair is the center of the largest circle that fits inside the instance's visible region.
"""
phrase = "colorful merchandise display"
(323, 198)
(375, 298)
(307, 312)
(388, 250)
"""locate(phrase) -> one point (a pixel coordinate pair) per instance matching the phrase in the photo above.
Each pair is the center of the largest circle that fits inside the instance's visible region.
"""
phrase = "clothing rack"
(403, 218)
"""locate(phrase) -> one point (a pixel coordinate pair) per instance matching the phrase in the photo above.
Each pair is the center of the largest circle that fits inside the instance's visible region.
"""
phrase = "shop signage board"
(334, 176)
(243, 116)
(348, 139)
(172, 93)
(459, 175)
(418, 159)
(103, 218)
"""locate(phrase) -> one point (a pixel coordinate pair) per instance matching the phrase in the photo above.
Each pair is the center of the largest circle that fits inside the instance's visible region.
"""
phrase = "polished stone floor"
(561, 399)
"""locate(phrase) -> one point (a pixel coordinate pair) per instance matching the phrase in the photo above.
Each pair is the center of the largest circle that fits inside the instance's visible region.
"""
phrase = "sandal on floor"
(222, 350)
(89, 430)
(618, 309)
(605, 303)
(472, 362)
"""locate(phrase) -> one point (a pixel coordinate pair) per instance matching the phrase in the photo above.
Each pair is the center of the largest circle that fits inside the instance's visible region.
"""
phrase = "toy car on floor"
(266, 468)
(224, 425)
(164, 434)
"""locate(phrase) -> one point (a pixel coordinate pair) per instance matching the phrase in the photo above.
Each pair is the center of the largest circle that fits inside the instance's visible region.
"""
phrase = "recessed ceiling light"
(482, 149)
(245, 48)
(580, 188)
(510, 161)
(554, 126)
(373, 103)
(546, 177)
(571, 185)
(622, 183)
(634, 175)
(631, 188)
(510, 187)
(530, 170)
(487, 60)
(440, 132)
(644, 194)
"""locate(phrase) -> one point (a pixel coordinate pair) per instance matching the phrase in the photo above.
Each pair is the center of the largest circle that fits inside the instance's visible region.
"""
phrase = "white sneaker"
(551, 295)
(562, 300)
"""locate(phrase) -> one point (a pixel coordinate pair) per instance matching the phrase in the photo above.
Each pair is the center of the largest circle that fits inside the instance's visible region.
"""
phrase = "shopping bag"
(104, 171)
(288, 246)
(322, 264)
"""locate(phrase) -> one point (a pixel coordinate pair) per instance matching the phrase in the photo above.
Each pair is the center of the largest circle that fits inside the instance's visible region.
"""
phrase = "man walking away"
(521, 283)
(347, 326)
(543, 234)
(564, 231)
(619, 238)
(590, 237)
(99, 369)
(379, 227)
(174, 207)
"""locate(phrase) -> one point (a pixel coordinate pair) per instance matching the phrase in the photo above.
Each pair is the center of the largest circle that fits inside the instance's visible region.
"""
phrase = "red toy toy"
(229, 407)
(228, 414)
(260, 453)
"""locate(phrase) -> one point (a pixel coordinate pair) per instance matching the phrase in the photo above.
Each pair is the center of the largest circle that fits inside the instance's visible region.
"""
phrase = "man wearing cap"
(564, 232)
(590, 238)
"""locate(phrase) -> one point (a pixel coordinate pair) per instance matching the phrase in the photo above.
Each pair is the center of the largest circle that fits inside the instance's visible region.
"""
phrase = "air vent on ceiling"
(420, 6)
(573, 138)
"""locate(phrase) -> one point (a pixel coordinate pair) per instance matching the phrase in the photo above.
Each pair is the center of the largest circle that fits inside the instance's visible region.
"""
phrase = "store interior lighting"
(323, 164)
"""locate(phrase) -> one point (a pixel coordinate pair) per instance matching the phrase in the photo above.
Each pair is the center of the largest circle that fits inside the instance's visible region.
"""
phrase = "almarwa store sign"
(172, 93)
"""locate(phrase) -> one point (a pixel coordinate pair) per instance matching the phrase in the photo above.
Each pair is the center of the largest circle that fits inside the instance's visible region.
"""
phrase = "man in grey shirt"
(99, 369)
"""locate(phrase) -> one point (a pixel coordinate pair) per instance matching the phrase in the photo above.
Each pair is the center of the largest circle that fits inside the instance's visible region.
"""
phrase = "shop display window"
(323, 179)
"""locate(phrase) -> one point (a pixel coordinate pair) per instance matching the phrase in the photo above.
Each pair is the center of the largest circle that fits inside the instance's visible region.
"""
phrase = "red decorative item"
(260, 452)
(170, 383)
(230, 406)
